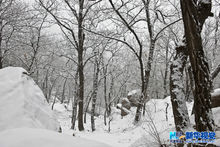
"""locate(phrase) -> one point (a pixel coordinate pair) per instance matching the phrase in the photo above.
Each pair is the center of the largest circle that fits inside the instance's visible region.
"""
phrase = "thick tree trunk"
(81, 38)
(193, 20)
(74, 112)
(81, 98)
(141, 99)
(75, 101)
(147, 71)
(181, 117)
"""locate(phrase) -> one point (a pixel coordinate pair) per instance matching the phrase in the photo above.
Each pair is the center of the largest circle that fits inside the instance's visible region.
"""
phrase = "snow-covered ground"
(26, 120)
(29, 137)
(124, 133)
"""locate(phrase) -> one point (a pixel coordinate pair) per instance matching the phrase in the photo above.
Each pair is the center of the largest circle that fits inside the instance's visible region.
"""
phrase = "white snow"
(124, 133)
(22, 103)
(205, 1)
(216, 92)
(138, 91)
(29, 137)
(25, 118)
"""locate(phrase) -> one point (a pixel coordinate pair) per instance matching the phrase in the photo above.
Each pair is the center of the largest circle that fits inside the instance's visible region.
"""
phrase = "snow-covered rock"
(28, 137)
(22, 103)
(133, 97)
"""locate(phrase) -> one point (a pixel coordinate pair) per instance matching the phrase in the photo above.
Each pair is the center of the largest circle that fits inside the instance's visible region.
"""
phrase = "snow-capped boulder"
(133, 97)
(22, 103)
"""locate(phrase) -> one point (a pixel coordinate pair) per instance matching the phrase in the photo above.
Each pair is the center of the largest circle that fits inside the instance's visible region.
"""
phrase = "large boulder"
(126, 103)
(22, 103)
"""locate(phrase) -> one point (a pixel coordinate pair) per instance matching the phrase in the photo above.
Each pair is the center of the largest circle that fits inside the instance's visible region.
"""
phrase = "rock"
(126, 103)
(133, 97)
(124, 111)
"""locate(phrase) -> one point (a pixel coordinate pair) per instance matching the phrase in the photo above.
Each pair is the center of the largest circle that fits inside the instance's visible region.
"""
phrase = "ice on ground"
(22, 103)
(29, 137)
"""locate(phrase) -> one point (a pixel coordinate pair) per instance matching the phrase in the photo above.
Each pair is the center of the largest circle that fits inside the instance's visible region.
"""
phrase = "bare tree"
(194, 15)
(76, 37)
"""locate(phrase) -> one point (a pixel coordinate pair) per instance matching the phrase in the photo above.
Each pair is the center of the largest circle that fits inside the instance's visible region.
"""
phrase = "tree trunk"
(141, 99)
(166, 70)
(75, 101)
(81, 38)
(147, 72)
(105, 95)
(95, 90)
(1, 54)
(63, 92)
(181, 117)
(193, 18)
(74, 111)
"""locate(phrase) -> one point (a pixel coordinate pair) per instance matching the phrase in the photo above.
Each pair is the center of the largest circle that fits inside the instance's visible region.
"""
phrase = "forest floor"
(153, 128)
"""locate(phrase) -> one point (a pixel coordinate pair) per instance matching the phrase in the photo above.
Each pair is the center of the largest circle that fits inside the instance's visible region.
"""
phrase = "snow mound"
(27, 137)
(22, 103)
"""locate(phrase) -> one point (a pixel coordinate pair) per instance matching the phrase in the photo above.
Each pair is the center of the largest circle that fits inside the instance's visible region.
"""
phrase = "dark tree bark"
(181, 117)
(150, 57)
(1, 55)
(105, 70)
(80, 50)
(75, 101)
(193, 17)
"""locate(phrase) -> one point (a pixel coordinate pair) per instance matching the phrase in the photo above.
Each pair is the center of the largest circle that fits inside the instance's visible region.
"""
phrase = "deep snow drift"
(22, 103)
(26, 119)
(27, 137)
